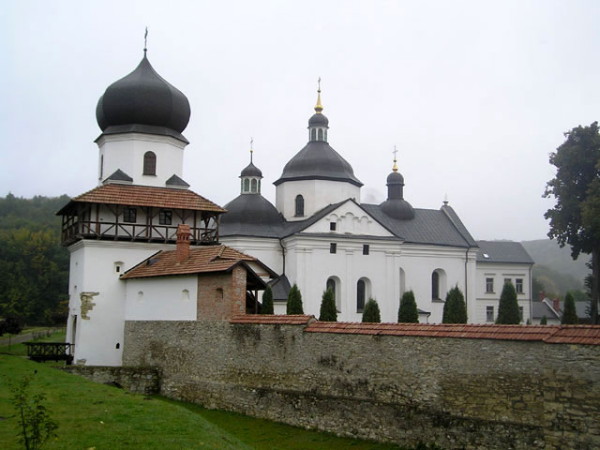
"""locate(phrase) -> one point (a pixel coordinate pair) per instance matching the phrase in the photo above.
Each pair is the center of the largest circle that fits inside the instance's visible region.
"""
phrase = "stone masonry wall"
(457, 393)
(141, 380)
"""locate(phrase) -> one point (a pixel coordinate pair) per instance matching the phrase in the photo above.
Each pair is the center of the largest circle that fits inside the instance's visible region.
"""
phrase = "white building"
(318, 235)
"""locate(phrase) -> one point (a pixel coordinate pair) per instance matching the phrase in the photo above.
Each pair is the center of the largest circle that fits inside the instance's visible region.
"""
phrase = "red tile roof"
(292, 319)
(551, 334)
(159, 197)
(214, 258)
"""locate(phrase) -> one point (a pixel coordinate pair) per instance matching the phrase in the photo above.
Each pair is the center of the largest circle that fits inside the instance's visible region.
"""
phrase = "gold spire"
(395, 168)
(318, 106)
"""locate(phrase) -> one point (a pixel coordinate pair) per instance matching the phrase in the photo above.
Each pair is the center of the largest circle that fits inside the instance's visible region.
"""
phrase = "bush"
(267, 301)
(569, 314)
(508, 310)
(544, 321)
(408, 313)
(328, 311)
(371, 312)
(294, 302)
(455, 309)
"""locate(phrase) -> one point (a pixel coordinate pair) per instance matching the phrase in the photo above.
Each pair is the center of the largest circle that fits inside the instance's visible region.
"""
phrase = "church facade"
(142, 216)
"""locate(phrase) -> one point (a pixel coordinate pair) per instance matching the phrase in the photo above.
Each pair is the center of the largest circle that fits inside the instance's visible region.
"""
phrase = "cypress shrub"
(267, 301)
(544, 321)
(508, 310)
(328, 311)
(407, 313)
(455, 309)
(569, 314)
(294, 302)
(371, 312)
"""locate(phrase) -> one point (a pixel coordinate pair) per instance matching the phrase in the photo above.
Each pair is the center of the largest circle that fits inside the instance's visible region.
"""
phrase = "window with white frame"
(489, 314)
(489, 285)
(519, 285)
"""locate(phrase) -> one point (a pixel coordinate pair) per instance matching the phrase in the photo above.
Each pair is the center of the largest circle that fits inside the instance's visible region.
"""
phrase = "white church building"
(145, 247)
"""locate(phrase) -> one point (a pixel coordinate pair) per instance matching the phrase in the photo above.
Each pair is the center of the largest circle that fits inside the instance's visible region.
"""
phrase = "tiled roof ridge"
(549, 334)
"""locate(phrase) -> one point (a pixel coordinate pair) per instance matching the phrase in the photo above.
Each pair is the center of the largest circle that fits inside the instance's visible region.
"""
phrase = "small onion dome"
(143, 98)
(395, 178)
(251, 171)
(317, 120)
(251, 209)
(398, 209)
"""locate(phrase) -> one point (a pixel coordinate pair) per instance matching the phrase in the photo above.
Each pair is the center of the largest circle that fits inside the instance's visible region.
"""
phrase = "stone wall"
(140, 380)
(471, 393)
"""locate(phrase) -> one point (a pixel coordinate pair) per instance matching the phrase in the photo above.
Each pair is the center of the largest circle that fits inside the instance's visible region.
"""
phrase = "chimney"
(183, 242)
(556, 304)
(542, 296)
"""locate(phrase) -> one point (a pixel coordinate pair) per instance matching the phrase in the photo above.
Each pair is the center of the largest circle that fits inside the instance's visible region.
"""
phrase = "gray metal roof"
(176, 181)
(318, 161)
(251, 215)
(502, 252)
(119, 175)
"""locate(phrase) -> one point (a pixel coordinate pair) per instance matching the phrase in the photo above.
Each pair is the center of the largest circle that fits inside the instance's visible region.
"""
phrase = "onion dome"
(143, 101)
(250, 210)
(251, 171)
(395, 206)
(318, 160)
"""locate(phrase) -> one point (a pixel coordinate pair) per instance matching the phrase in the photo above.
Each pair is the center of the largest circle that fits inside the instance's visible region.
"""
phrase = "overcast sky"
(474, 94)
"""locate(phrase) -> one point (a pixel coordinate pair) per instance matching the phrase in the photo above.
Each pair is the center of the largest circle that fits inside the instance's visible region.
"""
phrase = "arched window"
(149, 163)
(101, 166)
(246, 185)
(361, 293)
(438, 284)
(320, 132)
(299, 205)
(333, 283)
(254, 184)
(435, 285)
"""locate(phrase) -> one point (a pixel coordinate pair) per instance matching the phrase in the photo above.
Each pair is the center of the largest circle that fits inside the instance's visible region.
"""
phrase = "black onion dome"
(318, 119)
(251, 171)
(318, 161)
(143, 98)
(398, 209)
(395, 178)
(250, 210)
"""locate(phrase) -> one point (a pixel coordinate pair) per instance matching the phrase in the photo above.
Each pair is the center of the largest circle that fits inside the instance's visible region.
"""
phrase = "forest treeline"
(34, 267)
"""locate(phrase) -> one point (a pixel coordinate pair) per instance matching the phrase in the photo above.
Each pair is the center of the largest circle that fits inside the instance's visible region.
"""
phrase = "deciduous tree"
(575, 219)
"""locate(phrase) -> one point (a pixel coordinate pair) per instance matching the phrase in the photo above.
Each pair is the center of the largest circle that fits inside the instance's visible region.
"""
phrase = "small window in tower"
(366, 249)
(165, 217)
(246, 185)
(320, 133)
(299, 206)
(149, 163)
(130, 214)
(333, 247)
(101, 166)
(253, 186)
(332, 226)
(313, 135)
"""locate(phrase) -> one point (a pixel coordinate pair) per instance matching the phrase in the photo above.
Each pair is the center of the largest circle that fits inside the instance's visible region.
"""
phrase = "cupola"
(395, 206)
(318, 124)
(251, 176)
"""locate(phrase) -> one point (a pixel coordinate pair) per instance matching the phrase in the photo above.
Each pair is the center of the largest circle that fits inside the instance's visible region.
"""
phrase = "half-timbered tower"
(135, 210)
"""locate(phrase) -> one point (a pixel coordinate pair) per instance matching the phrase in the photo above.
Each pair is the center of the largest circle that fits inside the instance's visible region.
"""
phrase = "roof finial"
(318, 106)
(146, 41)
(395, 168)
(251, 148)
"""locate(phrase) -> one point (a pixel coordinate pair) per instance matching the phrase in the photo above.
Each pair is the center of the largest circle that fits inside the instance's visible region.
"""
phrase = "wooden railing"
(50, 351)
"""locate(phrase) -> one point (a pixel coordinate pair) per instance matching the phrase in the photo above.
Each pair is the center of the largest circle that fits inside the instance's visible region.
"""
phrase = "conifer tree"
(544, 321)
(294, 302)
(508, 310)
(371, 312)
(267, 301)
(408, 313)
(455, 309)
(569, 314)
(328, 311)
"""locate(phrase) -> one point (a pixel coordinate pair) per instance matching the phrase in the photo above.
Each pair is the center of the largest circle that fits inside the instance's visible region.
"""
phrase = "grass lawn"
(92, 415)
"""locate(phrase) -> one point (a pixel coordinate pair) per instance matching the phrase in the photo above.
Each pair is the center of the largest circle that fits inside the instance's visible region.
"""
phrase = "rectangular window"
(519, 285)
(489, 314)
(165, 217)
(332, 248)
(332, 226)
(507, 280)
(489, 285)
(129, 215)
(521, 313)
(366, 249)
